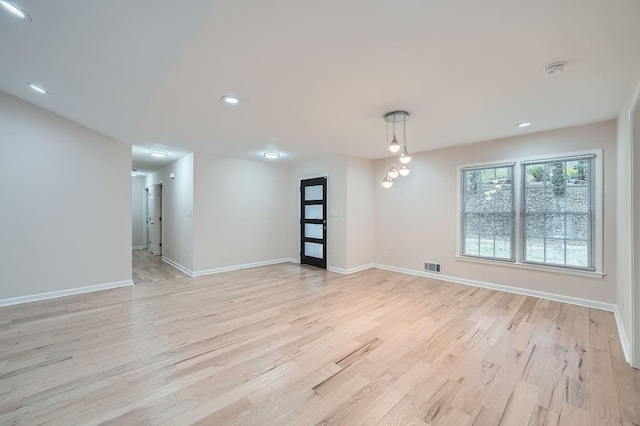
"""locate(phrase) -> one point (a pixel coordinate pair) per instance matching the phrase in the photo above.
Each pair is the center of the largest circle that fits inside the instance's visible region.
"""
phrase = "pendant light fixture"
(387, 182)
(405, 158)
(393, 172)
(394, 147)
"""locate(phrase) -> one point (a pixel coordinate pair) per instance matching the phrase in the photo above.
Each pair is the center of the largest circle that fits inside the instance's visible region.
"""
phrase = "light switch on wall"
(333, 213)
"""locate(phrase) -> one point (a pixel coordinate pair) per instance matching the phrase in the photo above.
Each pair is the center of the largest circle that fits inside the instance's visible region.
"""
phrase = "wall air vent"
(431, 267)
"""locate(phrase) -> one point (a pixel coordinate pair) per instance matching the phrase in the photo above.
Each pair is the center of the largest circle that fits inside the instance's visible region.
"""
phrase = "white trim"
(531, 267)
(517, 290)
(624, 341)
(634, 272)
(137, 247)
(350, 270)
(178, 266)
(238, 267)
(63, 293)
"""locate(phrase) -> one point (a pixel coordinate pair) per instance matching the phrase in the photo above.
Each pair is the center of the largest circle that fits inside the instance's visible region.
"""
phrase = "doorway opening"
(313, 222)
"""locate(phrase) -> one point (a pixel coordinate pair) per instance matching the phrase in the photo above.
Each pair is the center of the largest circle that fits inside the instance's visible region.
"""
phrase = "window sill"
(517, 265)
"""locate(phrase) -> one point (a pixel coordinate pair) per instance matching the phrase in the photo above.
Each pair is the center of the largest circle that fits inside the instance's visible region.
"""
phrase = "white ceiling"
(315, 78)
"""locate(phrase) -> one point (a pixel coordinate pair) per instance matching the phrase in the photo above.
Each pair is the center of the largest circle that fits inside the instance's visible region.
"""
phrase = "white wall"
(137, 211)
(177, 210)
(336, 170)
(360, 222)
(66, 203)
(416, 219)
(241, 212)
(624, 218)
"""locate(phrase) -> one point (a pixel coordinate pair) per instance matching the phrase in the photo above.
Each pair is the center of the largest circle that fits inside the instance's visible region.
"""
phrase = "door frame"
(634, 139)
(299, 243)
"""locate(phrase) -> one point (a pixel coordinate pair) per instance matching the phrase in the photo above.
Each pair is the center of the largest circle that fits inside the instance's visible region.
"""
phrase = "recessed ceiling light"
(38, 89)
(272, 155)
(14, 10)
(231, 99)
(158, 154)
(524, 124)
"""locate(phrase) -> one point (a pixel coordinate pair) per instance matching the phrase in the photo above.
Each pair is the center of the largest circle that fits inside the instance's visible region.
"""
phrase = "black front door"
(313, 222)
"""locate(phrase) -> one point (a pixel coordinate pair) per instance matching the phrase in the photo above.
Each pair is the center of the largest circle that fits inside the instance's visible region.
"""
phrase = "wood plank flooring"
(288, 344)
(147, 268)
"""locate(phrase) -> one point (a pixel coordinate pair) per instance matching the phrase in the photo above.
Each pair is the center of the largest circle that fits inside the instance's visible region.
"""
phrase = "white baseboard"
(350, 270)
(137, 247)
(624, 341)
(62, 293)
(178, 266)
(243, 266)
(517, 290)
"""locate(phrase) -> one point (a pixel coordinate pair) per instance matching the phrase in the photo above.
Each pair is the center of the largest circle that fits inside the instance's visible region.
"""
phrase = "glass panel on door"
(313, 250)
(312, 193)
(313, 211)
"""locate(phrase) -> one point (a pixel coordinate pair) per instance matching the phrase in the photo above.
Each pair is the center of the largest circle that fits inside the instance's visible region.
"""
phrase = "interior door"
(313, 222)
(155, 219)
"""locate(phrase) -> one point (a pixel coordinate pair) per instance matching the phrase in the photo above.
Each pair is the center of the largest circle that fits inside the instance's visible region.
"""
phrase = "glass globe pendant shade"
(404, 170)
(405, 157)
(387, 182)
(393, 172)
(394, 146)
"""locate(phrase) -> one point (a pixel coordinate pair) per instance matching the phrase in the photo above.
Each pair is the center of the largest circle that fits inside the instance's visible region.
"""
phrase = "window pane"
(488, 212)
(554, 251)
(577, 253)
(578, 198)
(534, 225)
(557, 212)
(535, 250)
(578, 227)
(554, 225)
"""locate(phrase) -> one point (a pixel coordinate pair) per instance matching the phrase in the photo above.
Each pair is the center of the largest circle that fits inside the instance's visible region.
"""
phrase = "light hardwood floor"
(147, 268)
(287, 344)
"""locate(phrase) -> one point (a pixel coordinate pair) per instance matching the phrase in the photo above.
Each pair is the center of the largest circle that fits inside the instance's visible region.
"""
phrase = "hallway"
(148, 268)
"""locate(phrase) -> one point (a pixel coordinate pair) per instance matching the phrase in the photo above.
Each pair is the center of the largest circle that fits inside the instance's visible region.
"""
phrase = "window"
(488, 212)
(557, 212)
(538, 211)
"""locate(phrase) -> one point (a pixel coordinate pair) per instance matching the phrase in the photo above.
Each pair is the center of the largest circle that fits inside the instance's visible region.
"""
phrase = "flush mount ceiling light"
(394, 147)
(158, 154)
(555, 68)
(14, 10)
(231, 99)
(134, 172)
(37, 88)
(524, 124)
(272, 155)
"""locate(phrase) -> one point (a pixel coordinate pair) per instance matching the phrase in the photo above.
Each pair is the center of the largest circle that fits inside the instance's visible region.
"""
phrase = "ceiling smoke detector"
(555, 68)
